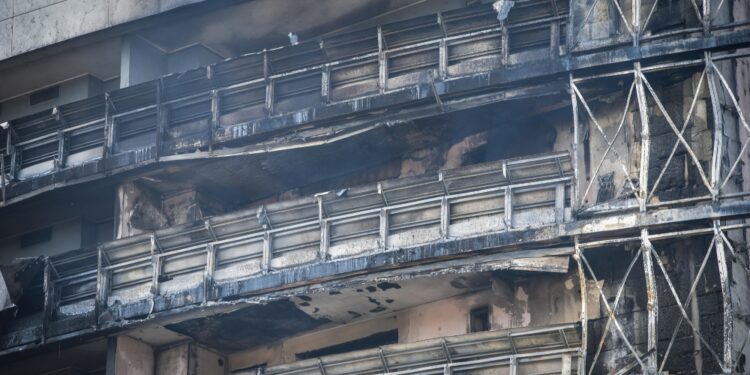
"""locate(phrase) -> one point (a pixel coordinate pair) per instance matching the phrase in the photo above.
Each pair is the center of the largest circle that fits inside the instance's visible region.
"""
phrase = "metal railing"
(549, 349)
(499, 196)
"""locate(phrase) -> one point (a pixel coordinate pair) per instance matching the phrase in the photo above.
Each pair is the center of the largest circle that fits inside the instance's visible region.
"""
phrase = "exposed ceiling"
(264, 324)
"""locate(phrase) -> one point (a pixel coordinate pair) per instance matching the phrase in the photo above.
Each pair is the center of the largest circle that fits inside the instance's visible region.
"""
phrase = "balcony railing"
(197, 263)
(209, 106)
(550, 349)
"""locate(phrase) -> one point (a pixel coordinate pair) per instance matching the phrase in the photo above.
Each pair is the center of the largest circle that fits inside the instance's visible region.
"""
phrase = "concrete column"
(189, 359)
(128, 356)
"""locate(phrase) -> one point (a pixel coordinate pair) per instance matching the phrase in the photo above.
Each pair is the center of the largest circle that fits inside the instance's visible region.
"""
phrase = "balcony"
(263, 249)
(551, 349)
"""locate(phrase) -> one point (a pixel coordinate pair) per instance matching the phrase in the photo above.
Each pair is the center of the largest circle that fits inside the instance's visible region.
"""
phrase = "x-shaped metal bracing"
(610, 143)
(647, 249)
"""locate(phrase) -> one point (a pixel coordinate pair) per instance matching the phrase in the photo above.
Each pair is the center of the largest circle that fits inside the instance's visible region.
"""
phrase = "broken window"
(479, 319)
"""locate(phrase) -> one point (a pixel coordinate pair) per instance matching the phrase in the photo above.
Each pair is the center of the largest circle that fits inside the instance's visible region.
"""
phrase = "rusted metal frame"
(652, 303)
(641, 200)
(726, 301)
(576, 135)
(682, 140)
(681, 307)
(584, 308)
(682, 131)
(741, 117)
(616, 303)
(611, 313)
(645, 137)
(610, 144)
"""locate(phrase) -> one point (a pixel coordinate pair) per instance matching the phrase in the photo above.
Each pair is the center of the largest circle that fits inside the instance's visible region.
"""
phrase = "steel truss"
(715, 181)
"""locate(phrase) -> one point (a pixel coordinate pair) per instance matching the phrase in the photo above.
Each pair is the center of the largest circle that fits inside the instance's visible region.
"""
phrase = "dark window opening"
(44, 95)
(369, 342)
(36, 237)
(479, 319)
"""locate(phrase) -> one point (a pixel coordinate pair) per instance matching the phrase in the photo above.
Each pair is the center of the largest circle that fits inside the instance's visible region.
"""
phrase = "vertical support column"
(128, 356)
(109, 128)
(324, 230)
(325, 83)
(155, 271)
(215, 118)
(15, 162)
(567, 363)
(270, 96)
(652, 303)
(508, 208)
(569, 26)
(645, 138)
(208, 277)
(384, 228)
(161, 117)
(560, 203)
(554, 45)
(61, 150)
(48, 298)
(382, 62)
(267, 252)
(443, 59)
(706, 17)
(726, 297)
(504, 44)
(102, 285)
(718, 145)
(584, 309)
(445, 217)
(513, 366)
(574, 198)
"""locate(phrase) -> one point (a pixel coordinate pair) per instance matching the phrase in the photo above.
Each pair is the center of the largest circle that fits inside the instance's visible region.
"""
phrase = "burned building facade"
(374, 187)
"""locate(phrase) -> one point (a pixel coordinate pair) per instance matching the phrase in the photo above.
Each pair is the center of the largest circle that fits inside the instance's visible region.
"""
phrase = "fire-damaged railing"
(201, 108)
(546, 350)
(197, 263)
